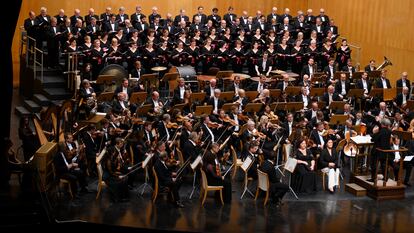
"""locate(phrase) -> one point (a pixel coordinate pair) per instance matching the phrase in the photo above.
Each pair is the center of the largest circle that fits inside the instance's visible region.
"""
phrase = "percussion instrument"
(242, 76)
(278, 72)
(158, 68)
(256, 79)
(205, 78)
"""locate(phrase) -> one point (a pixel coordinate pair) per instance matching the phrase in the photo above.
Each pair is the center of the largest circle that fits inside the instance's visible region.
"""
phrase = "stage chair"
(237, 162)
(156, 192)
(61, 182)
(101, 183)
(262, 184)
(206, 188)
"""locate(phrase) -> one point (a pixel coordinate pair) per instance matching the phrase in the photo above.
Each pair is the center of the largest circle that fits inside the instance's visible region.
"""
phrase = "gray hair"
(385, 122)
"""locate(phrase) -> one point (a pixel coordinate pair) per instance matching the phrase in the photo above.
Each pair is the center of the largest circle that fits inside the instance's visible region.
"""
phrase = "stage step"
(21, 111)
(355, 189)
(53, 81)
(57, 93)
(32, 106)
(41, 100)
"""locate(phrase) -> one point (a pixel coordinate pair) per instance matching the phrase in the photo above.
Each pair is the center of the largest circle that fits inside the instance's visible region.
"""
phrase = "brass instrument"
(384, 64)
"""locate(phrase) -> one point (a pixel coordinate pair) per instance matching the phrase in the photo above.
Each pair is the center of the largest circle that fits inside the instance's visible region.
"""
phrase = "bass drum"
(187, 72)
(115, 70)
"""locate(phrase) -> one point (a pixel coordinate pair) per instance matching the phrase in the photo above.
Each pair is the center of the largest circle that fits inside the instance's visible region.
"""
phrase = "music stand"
(144, 109)
(404, 135)
(338, 119)
(376, 92)
(293, 90)
(105, 97)
(321, 104)
(375, 74)
(138, 97)
(170, 78)
(179, 106)
(278, 106)
(227, 96)
(335, 105)
(400, 172)
(253, 107)
(198, 97)
(337, 75)
(105, 80)
(193, 166)
(275, 93)
(223, 74)
(318, 77)
(290, 166)
(247, 163)
(201, 110)
(317, 91)
(389, 94)
(357, 75)
(96, 119)
(227, 107)
(410, 105)
(355, 93)
(150, 79)
(294, 106)
(251, 95)
(144, 166)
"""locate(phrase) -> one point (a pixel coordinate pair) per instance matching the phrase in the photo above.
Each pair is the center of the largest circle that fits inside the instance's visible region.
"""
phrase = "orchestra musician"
(211, 166)
(383, 82)
(330, 71)
(404, 81)
(329, 163)
(371, 66)
(382, 139)
(264, 65)
(216, 102)
(342, 86)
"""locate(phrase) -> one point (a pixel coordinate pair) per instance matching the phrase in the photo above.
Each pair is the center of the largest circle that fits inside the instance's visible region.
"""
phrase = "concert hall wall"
(380, 27)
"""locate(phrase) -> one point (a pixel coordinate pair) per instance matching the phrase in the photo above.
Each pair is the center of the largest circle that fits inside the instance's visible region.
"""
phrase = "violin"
(137, 121)
(243, 117)
(214, 125)
(172, 125)
(259, 134)
(229, 120)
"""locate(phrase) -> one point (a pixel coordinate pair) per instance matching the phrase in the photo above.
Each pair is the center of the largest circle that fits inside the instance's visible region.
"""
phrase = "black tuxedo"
(277, 189)
(165, 179)
(254, 86)
(361, 86)
(220, 103)
(346, 69)
(334, 29)
(162, 131)
(203, 18)
(306, 70)
(324, 19)
(407, 83)
(108, 26)
(178, 19)
(119, 20)
(271, 16)
(152, 17)
(228, 19)
(135, 18)
(399, 99)
(281, 84)
(379, 83)
(88, 19)
(29, 26)
(338, 86)
(381, 140)
(73, 19)
(325, 98)
(233, 88)
(117, 108)
(322, 29)
(137, 73)
(190, 151)
(368, 69)
(327, 71)
(176, 97)
(215, 19)
(119, 89)
(260, 66)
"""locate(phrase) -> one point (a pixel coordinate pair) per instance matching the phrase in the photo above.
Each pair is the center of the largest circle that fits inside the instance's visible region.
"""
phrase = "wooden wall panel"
(380, 27)
(164, 6)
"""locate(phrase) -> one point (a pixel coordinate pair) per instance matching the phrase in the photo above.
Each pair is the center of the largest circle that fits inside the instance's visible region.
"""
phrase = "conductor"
(382, 140)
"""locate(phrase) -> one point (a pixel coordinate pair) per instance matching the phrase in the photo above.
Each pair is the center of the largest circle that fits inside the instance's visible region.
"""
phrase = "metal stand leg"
(246, 189)
(290, 187)
(194, 186)
(277, 167)
(145, 185)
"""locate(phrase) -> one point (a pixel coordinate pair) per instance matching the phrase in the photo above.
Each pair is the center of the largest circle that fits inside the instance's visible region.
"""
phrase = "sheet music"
(408, 158)
(246, 164)
(195, 162)
(100, 113)
(290, 164)
(361, 139)
(147, 159)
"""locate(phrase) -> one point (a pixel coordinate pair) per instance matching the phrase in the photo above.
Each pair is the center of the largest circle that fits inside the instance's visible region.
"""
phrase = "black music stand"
(144, 109)
(251, 95)
(338, 119)
(317, 91)
(335, 105)
(227, 96)
(138, 97)
(202, 110)
(293, 90)
(294, 106)
(253, 107)
(275, 93)
(169, 78)
(105, 96)
(337, 75)
(227, 107)
(376, 92)
(198, 97)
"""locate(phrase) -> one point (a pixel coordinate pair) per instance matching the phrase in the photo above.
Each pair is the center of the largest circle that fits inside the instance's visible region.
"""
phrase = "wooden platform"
(389, 192)
(355, 189)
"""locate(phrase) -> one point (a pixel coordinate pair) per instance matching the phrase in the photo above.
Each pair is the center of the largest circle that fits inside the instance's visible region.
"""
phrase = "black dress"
(303, 179)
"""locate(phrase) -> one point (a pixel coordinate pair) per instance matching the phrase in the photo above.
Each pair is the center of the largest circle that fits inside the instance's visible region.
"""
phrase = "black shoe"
(178, 204)
(370, 180)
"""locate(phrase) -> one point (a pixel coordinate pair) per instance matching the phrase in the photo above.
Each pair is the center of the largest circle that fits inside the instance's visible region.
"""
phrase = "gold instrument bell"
(384, 64)
(350, 149)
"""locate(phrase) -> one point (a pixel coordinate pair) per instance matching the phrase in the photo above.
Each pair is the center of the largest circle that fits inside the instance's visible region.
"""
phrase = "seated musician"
(399, 122)
(346, 111)
(186, 131)
(138, 70)
(383, 82)
(115, 170)
(317, 138)
(209, 129)
(209, 90)
(67, 169)
(311, 113)
(320, 117)
(342, 86)
(259, 86)
(329, 163)
(407, 165)
(304, 179)
(359, 120)
(404, 81)
(304, 97)
(264, 65)
(283, 84)
(88, 97)
(309, 68)
(380, 112)
(164, 130)
(402, 98)
(157, 104)
(168, 179)
(124, 87)
(277, 189)
(179, 91)
(216, 102)
(330, 71)
(330, 96)
(120, 103)
(214, 176)
(241, 100)
(364, 84)
(370, 67)
(252, 149)
(235, 86)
